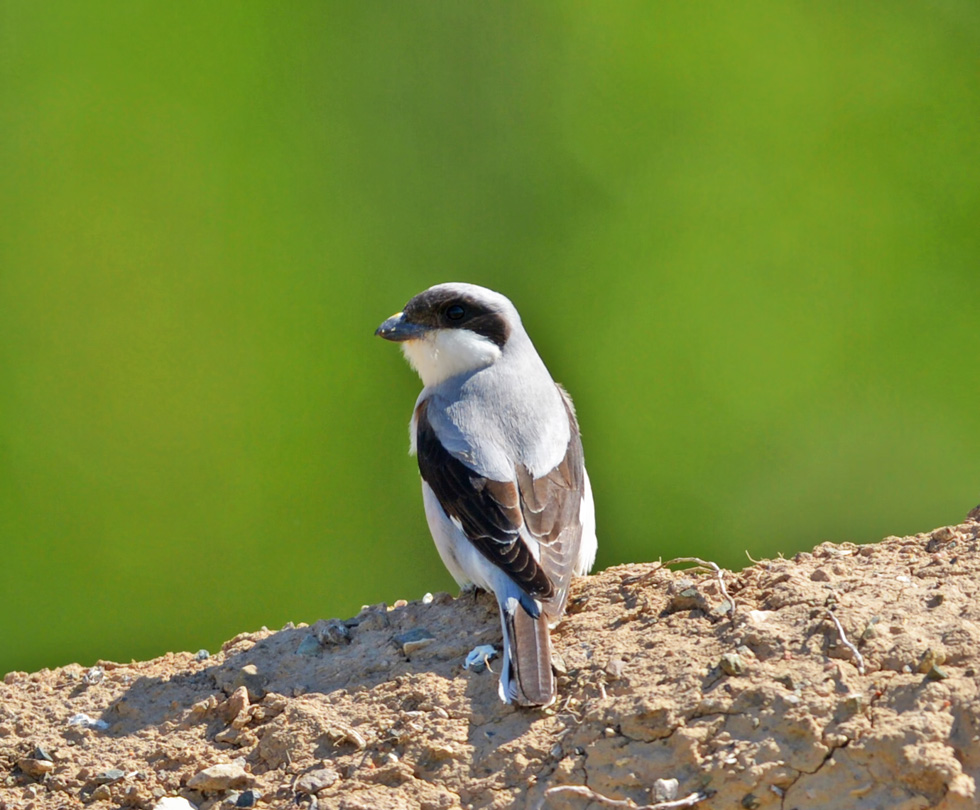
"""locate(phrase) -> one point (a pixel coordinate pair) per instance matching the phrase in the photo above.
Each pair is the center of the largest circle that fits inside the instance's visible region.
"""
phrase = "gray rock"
(330, 631)
(414, 639)
(315, 781)
(248, 798)
(228, 680)
(371, 617)
(308, 646)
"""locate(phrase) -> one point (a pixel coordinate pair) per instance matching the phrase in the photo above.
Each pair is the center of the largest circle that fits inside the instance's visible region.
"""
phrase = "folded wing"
(504, 518)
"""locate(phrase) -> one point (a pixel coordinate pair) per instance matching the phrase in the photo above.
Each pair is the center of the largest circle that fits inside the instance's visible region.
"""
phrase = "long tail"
(526, 678)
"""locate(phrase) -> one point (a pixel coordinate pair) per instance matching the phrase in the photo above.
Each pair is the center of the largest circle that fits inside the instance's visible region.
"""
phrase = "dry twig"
(709, 566)
(588, 793)
(843, 638)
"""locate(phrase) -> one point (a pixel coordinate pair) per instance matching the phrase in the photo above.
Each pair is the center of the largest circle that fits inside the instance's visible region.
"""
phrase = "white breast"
(444, 353)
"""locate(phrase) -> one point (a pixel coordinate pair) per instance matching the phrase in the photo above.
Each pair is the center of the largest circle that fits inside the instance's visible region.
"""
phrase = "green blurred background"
(745, 236)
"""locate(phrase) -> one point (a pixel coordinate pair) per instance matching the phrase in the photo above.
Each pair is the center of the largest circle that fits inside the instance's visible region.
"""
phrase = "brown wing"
(551, 505)
(492, 513)
(489, 511)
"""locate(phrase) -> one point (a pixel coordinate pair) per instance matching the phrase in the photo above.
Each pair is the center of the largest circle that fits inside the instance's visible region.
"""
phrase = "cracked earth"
(766, 707)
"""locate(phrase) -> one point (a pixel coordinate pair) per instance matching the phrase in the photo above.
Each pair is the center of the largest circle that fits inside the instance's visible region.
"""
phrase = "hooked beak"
(398, 329)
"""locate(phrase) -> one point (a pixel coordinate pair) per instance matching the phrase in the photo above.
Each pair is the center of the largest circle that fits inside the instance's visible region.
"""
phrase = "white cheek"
(444, 353)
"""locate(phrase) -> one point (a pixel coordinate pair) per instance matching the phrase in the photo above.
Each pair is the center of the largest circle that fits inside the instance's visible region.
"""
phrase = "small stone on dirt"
(228, 680)
(315, 781)
(174, 803)
(615, 668)
(220, 777)
(248, 798)
(330, 631)
(665, 790)
(35, 768)
(415, 639)
(732, 664)
(236, 703)
(85, 721)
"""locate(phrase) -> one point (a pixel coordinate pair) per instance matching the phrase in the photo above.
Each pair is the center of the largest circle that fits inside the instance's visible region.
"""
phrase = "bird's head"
(452, 329)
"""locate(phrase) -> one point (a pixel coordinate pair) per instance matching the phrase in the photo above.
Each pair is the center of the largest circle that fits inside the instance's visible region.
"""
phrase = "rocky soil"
(668, 698)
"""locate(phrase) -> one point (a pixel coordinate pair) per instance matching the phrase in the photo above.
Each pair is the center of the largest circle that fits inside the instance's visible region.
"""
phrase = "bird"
(506, 494)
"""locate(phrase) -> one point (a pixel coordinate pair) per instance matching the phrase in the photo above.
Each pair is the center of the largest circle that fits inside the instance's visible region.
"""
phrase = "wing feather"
(495, 514)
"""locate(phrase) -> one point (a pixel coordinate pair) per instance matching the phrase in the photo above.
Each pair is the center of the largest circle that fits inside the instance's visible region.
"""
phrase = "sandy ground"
(664, 695)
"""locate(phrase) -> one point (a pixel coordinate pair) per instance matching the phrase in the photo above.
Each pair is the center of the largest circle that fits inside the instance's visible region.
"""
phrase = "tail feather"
(527, 677)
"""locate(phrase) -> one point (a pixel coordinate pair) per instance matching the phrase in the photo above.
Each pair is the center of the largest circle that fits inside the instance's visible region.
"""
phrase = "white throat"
(444, 353)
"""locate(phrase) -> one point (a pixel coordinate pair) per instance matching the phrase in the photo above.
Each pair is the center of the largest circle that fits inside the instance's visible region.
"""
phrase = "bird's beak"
(398, 329)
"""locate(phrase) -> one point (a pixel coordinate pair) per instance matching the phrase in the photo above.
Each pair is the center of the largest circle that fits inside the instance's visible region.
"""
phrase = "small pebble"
(372, 618)
(85, 721)
(615, 668)
(937, 673)
(174, 803)
(330, 631)
(102, 793)
(219, 777)
(414, 639)
(94, 675)
(317, 780)
(40, 753)
(308, 646)
(854, 702)
(110, 776)
(731, 664)
(427, 599)
(202, 655)
(35, 768)
(229, 680)
(931, 658)
(665, 790)
(400, 603)
(248, 798)
(237, 703)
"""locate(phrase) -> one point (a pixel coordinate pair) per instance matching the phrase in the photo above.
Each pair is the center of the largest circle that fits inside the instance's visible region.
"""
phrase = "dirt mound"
(664, 694)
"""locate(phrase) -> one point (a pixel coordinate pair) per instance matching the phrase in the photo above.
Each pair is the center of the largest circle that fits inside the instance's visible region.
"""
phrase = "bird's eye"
(455, 312)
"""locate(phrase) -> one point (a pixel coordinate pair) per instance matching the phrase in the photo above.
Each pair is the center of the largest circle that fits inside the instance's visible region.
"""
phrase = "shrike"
(506, 494)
